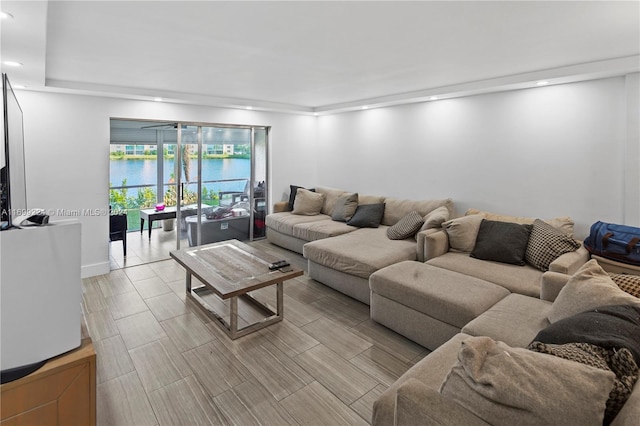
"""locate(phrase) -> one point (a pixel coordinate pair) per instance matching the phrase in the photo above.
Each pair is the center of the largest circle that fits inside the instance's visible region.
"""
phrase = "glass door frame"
(252, 179)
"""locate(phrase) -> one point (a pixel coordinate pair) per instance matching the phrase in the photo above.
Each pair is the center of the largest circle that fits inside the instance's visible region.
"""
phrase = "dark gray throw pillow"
(367, 216)
(504, 242)
(292, 194)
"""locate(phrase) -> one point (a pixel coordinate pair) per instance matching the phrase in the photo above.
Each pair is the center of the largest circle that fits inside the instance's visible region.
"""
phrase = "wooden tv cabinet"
(61, 392)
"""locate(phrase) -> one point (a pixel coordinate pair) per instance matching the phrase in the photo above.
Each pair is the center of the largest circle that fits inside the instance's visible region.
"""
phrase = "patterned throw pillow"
(406, 227)
(627, 283)
(546, 243)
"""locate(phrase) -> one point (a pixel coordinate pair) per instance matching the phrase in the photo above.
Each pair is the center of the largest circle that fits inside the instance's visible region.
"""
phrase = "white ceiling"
(310, 56)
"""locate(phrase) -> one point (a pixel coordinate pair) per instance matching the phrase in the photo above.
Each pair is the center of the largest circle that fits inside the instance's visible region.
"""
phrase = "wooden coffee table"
(230, 270)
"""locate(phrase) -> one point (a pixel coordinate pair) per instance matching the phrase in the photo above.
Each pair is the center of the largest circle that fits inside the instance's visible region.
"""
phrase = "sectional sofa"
(429, 302)
(342, 255)
(438, 289)
(521, 387)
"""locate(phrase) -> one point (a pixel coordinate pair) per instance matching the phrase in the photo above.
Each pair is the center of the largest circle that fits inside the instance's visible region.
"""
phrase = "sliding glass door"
(211, 178)
(223, 184)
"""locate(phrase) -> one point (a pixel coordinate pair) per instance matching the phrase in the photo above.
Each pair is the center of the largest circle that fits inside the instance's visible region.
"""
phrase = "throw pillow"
(509, 386)
(435, 218)
(345, 207)
(589, 288)
(462, 232)
(504, 242)
(406, 227)
(546, 244)
(293, 192)
(627, 283)
(367, 216)
(307, 203)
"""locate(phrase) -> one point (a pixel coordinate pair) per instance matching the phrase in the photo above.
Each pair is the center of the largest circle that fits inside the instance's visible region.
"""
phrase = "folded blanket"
(611, 327)
(620, 362)
(607, 338)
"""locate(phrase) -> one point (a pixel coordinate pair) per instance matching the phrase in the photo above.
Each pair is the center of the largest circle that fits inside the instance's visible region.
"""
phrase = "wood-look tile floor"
(160, 361)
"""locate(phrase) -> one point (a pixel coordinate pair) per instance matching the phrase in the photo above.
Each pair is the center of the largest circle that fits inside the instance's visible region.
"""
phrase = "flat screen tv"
(13, 188)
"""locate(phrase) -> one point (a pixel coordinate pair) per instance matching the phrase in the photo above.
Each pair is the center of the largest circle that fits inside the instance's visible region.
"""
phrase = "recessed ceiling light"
(316, 114)
(365, 107)
(12, 64)
(249, 107)
(6, 15)
(433, 98)
(542, 83)
(157, 99)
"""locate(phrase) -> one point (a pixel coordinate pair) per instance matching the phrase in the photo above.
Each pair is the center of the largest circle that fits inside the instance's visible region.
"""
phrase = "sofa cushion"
(627, 283)
(307, 203)
(501, 242)
(515, 320)
(331, 196)
(589, 288)
(517, 279)
(564, 224)
(361, 252)
(311, 231)
(507, 386)
(367, 216)
(284, 222)
(345, 207)
(405, 227)
(435, 218)
(431, 371)
(396, 209)
(444, 295)
(462, 232)
(370, 199)
(546, 244)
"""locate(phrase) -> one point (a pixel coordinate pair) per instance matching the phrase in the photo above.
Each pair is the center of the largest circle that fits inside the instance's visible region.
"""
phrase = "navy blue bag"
(616, 242)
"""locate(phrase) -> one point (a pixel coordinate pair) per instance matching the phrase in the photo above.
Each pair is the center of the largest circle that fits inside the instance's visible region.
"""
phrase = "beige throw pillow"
(307, 203)
(462, 232)
(590, 287)
(435, 218)
(516, 386)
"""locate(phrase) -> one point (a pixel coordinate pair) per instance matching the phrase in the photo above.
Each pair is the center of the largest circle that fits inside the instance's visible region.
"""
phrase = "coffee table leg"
(188, 282)
(150, 226)
(233, 320)
(279, 297)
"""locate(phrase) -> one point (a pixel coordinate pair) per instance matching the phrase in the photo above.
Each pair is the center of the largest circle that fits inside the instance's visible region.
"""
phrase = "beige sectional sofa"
(420, 395)
(343, 256)
(430, 302)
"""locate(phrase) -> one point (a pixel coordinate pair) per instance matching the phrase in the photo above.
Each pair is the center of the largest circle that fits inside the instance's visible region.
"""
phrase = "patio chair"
(236, 196)
(118, 229)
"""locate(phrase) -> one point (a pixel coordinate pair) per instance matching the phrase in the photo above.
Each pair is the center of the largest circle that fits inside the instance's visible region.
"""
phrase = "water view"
(127, 175)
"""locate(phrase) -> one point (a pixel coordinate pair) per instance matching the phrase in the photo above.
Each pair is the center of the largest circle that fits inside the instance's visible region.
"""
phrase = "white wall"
(67, 154)
(543, 152)
(550, 151)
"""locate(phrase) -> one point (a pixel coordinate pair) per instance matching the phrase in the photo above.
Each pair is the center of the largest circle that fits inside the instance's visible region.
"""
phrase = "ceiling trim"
(562, 75)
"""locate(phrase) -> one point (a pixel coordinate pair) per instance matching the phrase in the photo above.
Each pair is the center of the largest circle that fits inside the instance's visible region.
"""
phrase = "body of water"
(144, 172)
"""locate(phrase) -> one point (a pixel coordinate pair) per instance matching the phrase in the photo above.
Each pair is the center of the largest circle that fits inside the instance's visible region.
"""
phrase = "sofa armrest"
(417, 404)
(551, 284)
(569, 263)
(281, 206)
(421, 240)
(435, 244)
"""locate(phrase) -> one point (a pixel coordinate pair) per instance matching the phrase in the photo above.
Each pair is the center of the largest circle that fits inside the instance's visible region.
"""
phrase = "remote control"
(279, 264)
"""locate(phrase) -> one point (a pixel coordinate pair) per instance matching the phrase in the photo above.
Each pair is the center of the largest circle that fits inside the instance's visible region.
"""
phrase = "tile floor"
(161, 362)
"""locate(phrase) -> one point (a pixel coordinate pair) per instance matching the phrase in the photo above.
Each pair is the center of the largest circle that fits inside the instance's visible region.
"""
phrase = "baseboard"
(95, 269)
